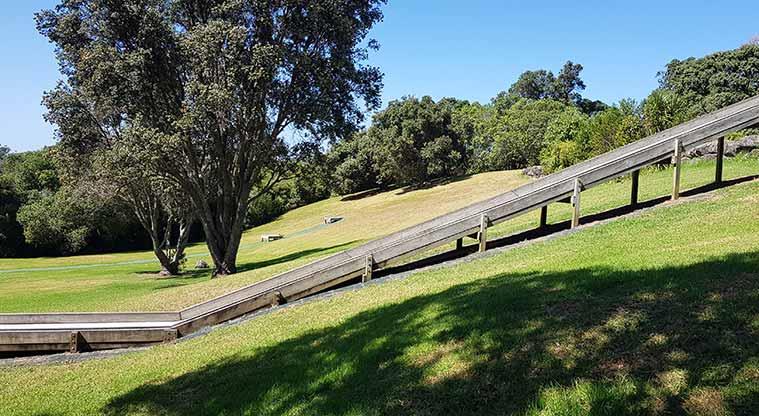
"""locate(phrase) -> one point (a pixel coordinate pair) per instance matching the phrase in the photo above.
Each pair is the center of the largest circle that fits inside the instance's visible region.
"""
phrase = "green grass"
(652, 314)
(93, 283)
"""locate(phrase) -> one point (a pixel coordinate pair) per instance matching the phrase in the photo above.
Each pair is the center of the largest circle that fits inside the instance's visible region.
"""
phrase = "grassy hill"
(657, 313)
(128, 281)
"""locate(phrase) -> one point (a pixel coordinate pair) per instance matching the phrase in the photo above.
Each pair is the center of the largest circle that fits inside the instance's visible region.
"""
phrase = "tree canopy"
(714, 81)
(203, 90)
(543, 84)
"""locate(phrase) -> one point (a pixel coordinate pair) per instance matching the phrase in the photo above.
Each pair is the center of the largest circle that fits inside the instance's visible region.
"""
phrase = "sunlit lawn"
(652, 314)
(94, 283)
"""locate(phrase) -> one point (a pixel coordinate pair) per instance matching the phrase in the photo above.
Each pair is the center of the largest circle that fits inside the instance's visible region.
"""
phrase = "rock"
(732, 147)
(201, 264)
(747, 144)
(533, 171)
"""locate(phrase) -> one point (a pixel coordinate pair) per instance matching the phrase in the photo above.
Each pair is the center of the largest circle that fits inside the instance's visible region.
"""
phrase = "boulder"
(732, 147)
(533, 171)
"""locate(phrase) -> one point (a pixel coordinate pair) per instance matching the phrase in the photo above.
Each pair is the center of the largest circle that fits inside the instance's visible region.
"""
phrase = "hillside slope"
(128, 281)
(652, 314)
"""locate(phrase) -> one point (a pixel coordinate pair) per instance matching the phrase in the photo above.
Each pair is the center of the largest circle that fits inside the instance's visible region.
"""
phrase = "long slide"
(76, 332)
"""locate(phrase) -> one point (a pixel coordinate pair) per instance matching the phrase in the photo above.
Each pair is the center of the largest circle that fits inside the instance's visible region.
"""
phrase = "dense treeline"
(41, 215)
(541, 118)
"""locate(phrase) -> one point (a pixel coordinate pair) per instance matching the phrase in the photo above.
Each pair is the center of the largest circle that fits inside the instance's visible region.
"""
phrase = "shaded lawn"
(655, 314)
(591, 341)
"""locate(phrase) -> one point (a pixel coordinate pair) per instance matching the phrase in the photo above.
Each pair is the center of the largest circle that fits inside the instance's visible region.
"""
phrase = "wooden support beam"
(368, 269)
(677, 160)
(483, 234)
(76, 343)
(170, 335)
(576, 203)
(459, 244)
(277, 299)
(635, 184)
(720, 160)
(544, 216)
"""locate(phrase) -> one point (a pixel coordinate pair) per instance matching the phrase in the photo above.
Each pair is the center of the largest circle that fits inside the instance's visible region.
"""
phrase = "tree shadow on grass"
(188, 276)
(656, 341)
(243, 267)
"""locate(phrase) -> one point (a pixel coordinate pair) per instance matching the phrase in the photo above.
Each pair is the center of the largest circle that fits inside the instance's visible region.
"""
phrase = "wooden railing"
(96, 331)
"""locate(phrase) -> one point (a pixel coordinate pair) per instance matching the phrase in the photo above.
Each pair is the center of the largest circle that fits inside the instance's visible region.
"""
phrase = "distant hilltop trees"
(50, 203)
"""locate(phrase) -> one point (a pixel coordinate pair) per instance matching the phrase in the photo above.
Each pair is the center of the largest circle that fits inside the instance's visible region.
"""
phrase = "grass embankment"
(124, 282)
(651, 314)
(95, 283)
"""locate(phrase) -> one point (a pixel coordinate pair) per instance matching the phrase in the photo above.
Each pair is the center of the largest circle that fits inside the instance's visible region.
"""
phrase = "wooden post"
(543, 216)
(576, 203)
(277, 299)
(634, 191)
(678, 161)
(368, 269)
(459, 244)
(483, 234)
(75, 342)
(170, 335)
(720, 157)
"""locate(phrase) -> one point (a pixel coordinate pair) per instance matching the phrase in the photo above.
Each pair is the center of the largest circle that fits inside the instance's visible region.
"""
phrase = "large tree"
(211, 86)
(714, 81)
(543, 84)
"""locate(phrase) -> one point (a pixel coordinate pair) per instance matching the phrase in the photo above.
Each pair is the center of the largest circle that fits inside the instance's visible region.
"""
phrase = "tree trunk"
(148, 210)
(223, 235)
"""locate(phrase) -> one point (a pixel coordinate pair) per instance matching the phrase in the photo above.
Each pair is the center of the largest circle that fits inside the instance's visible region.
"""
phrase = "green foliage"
(518, 136)
(266, 208)
(32, 173)
(543, 84)
(562, 136)
(411, 141)
(311, 178)
(213, 85)
(354, 164)
(11, 233)
(560, 154)
(664, 109)
(714, 81)
(604, 131)
(59, 222)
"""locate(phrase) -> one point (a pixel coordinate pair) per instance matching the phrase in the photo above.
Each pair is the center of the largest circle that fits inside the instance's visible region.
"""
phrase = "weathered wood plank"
(677, 160)
(576, 203)
(720, 160)
(635, 175)
(544, 216)
(483, 234)
(368, 268)
(71, 318)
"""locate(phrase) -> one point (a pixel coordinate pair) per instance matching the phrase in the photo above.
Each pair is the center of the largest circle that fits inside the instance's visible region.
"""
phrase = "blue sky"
(466, 49)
